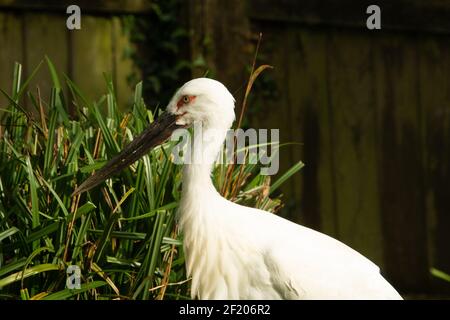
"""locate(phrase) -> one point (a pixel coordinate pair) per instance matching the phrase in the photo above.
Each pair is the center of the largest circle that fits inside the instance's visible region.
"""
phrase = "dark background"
(371, 108)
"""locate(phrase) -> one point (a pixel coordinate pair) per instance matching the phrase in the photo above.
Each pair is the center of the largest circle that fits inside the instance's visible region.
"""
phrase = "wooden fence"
(372, 111)
(29, 30)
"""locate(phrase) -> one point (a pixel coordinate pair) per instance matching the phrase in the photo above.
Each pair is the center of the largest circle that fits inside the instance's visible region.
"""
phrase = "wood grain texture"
(45, 35)
(11, 34)
(309, 120)
(353, 114)
(123, 66)
(92, 55)
(435, 124)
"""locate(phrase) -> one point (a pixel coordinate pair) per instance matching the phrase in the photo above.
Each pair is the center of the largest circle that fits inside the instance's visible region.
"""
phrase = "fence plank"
(265, 112)
(309, 120)
(123, 65)
(92, 55)
(353, 140)
(435, 103)
(10, 34)
(400, 162)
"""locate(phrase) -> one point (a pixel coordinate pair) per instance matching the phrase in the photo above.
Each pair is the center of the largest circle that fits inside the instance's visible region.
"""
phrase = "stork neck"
(197, 179)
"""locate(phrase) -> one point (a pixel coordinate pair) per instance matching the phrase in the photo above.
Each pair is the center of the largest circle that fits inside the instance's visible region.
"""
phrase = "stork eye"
(185, 100)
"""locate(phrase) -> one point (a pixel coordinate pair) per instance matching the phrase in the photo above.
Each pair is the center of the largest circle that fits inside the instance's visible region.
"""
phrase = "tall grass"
(122, 234)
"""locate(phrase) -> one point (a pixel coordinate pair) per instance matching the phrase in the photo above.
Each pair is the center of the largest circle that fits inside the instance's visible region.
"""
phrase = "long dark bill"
(157, 133)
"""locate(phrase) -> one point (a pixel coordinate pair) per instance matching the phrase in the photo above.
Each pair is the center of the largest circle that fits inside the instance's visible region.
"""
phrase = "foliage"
(440, 274)
(122, 234)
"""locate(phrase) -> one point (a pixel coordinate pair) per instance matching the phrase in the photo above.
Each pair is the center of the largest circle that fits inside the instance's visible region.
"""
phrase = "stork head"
(200, 100)
(203, 100)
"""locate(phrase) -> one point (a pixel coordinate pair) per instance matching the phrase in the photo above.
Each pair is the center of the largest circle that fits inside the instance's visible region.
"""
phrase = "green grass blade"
(57, 197)
(57, 102)
(53, 73)
(28, 273)
(295, 168)
(34, 198)
(121, 234)
(42, 232)
(440, 274)
(17, 78)
(25, 84)
(110, 142)
(12, 266)
(168, 206)
(81, 237)
(31, 257)
(8, 233)
(50, 145)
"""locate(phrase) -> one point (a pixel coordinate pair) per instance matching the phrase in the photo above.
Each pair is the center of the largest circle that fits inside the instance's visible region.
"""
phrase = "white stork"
(238, 252)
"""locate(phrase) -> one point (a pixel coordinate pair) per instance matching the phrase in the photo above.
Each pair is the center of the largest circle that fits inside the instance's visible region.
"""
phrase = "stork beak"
(157, 133)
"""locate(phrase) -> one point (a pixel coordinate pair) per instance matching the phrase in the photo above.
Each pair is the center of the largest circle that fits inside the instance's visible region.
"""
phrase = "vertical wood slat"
(278, 114)
(400, 162)
(122, 65)
(45, 35)
(92, 55)
(222, 41)
(353, 139)
(10, 51)
(273, 113)
(435, 104)
(310, 124)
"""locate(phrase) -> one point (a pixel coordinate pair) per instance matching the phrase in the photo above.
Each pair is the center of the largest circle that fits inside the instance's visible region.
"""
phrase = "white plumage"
(237, 252)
